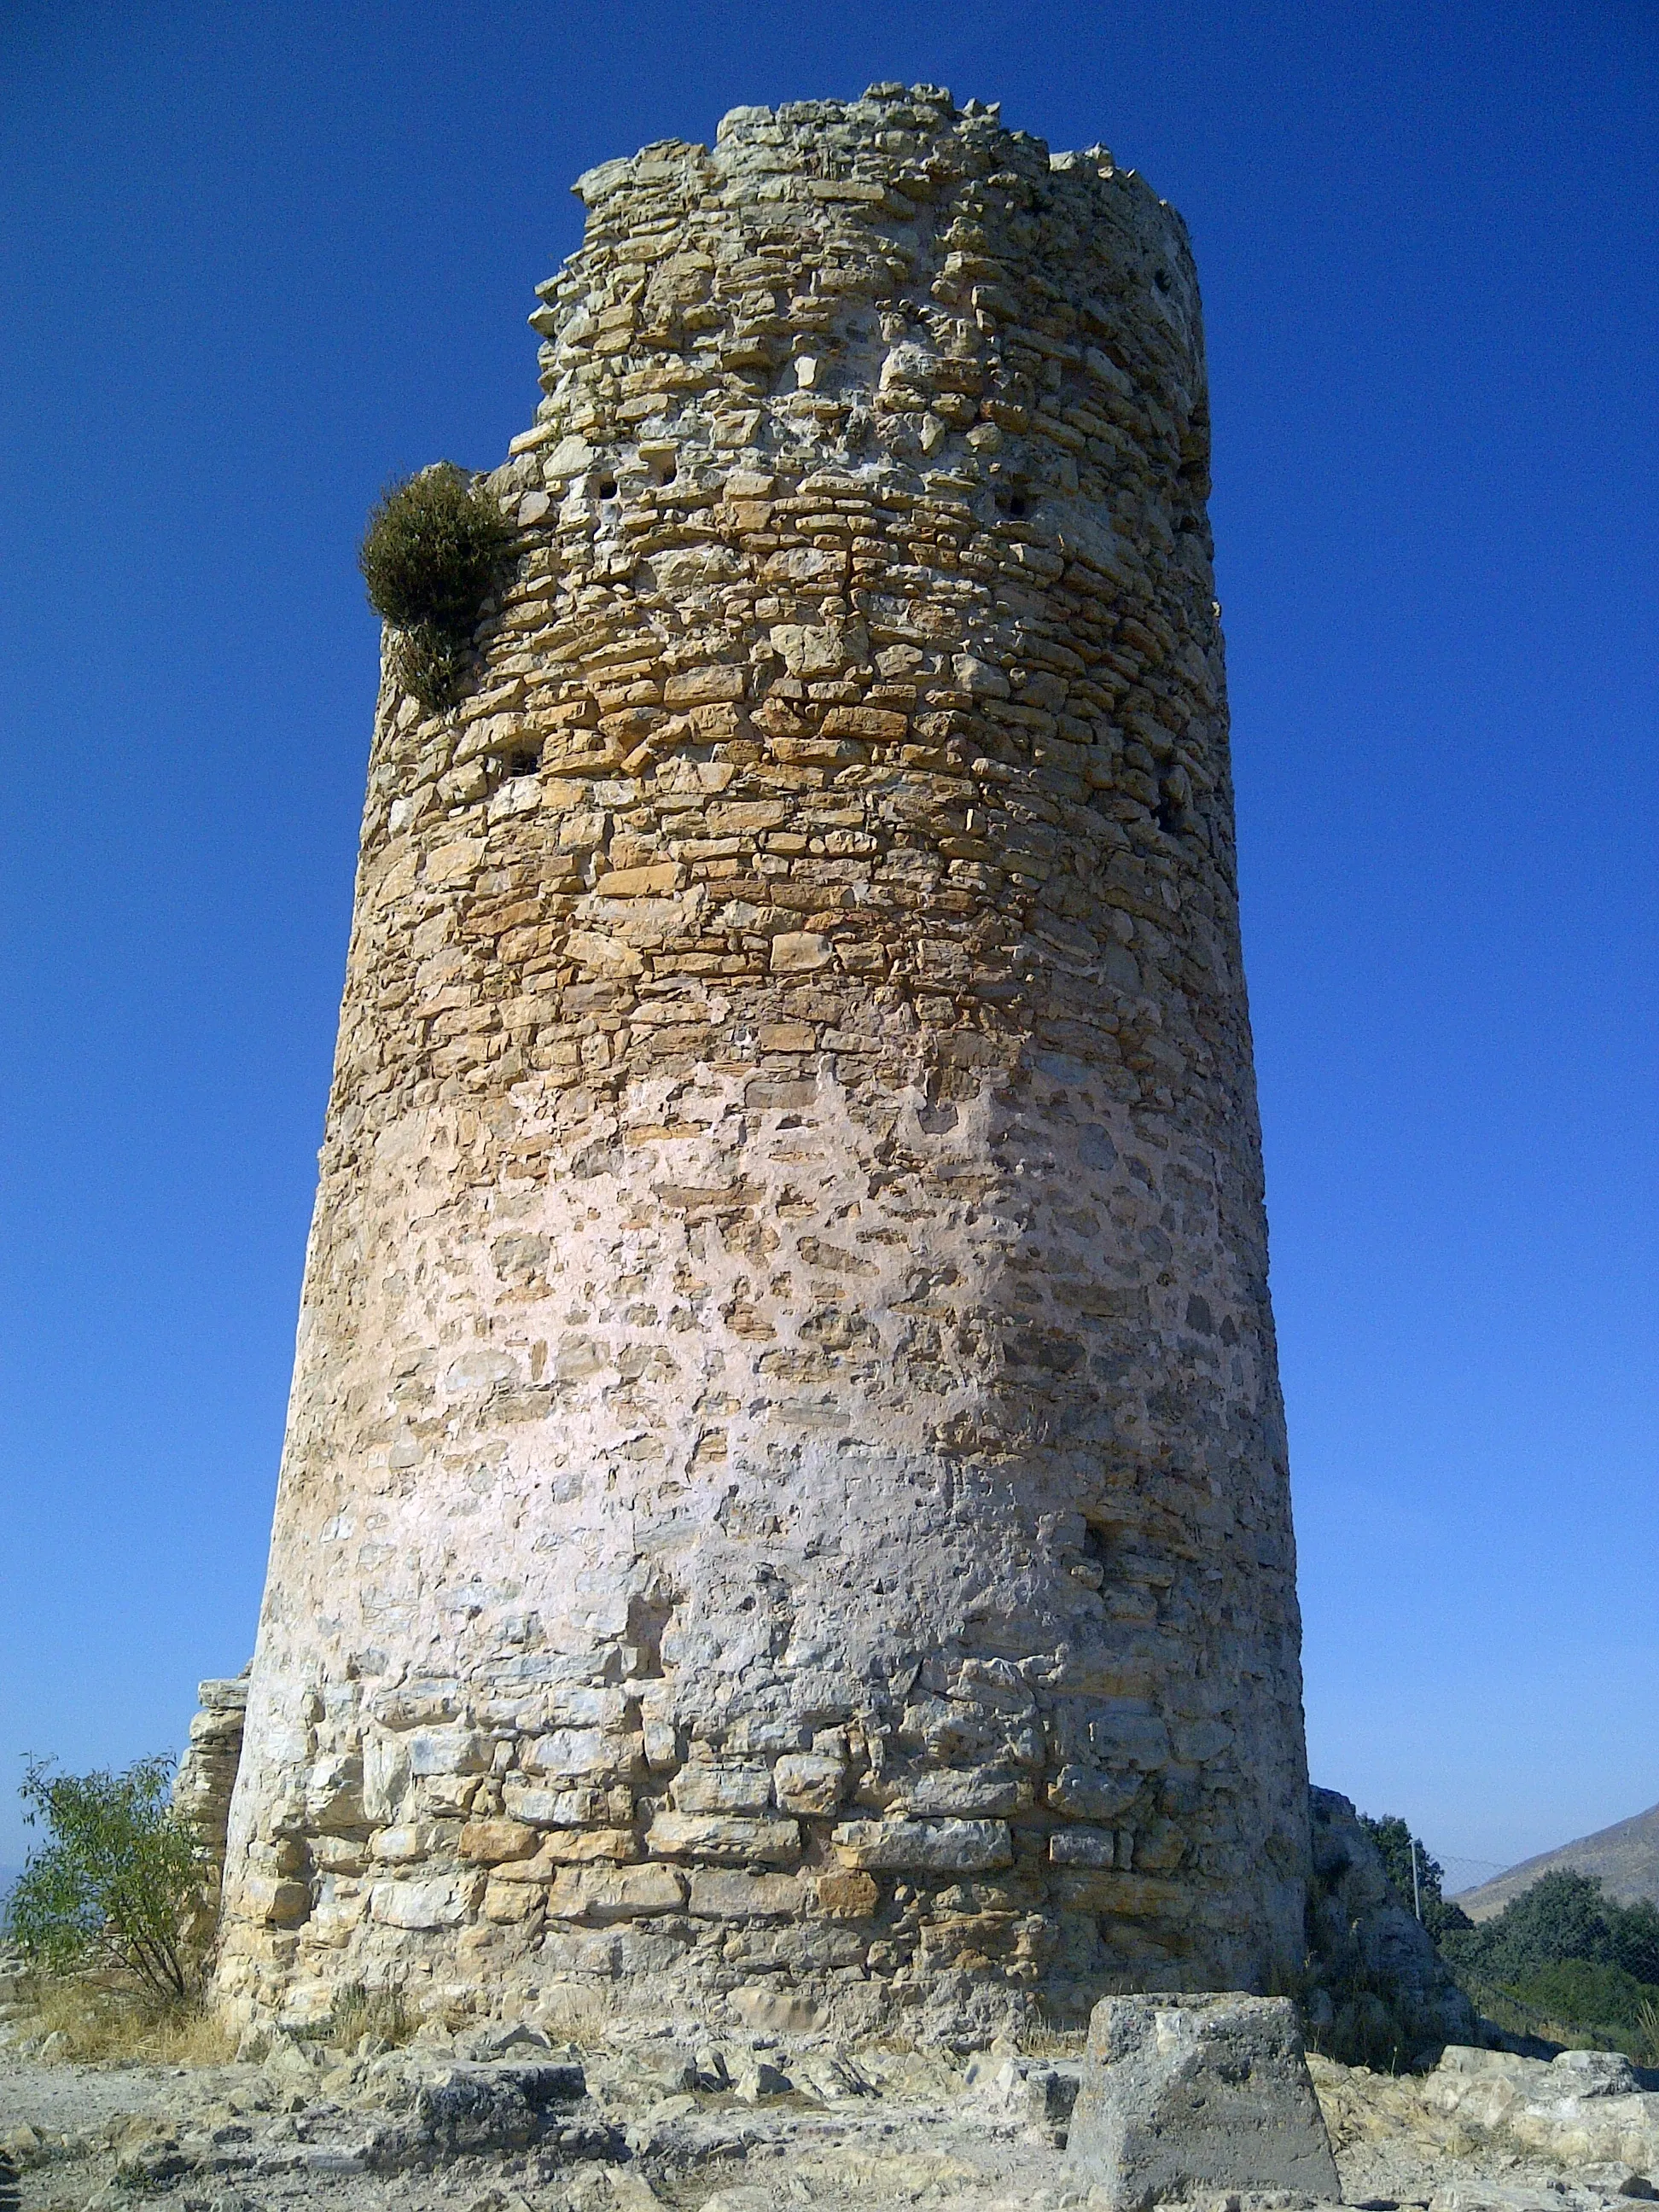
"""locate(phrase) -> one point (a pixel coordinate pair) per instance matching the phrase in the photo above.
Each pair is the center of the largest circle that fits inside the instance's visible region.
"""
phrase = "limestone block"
(964, 1790)
(719, 1895)
(573, 1750)
(1159, 1847)
(385, 1776)
(703, 1787)
(723, 1836)
(446, 1796)
(442, 1901)
(925, 1846)
(1596, 2074)
(809, 1782)
(569, 458)
(846, 1896)
(1083, 1794)
(576, 1846)
(542, 1808)
(335, 1920)
(800, 951)
(445, 1751)
(507, 1903)
(661, 1742)
(615, 1894)
(278, 1903)
(334, 1793)
(1131, 1896)
(1083, 1847)
(697, 685)
(1185, 2096)
(398, 1846)
(488, 1842)
(575, 1706)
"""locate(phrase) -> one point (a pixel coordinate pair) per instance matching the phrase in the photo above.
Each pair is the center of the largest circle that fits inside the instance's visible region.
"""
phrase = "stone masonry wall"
(205, 1779)
(785, 1501)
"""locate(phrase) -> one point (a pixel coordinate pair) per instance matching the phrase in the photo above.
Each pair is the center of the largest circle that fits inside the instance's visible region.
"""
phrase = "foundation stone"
(1184, 2096)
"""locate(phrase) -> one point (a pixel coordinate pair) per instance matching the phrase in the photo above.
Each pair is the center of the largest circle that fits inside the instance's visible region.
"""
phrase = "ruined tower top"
(784, 1508)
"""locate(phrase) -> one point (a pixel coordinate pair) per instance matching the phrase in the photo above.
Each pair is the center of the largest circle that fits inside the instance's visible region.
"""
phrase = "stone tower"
(785, 1503)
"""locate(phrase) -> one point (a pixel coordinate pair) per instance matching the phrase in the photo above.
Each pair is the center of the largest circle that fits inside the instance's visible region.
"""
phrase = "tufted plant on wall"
(436, 545)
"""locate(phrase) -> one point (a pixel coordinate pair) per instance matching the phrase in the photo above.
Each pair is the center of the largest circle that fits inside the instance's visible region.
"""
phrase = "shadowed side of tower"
(785, 1493)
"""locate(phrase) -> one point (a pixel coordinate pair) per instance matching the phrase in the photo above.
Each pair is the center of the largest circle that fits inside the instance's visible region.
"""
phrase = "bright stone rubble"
(635, 2119)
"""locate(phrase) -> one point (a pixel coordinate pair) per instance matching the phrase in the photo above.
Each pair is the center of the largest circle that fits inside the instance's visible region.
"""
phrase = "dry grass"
(576, 2015)
(379, 2013)
(105, 2026)
(1037, 2040)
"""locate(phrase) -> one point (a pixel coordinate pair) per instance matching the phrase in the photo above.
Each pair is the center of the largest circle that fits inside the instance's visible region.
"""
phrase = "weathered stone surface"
(205, 1782)
(759, 2106)
(440, 1902)
(1185, 2095)
(615, 1894)
(809, 1782)
(722, 1835)
(1587, 2113)
(1381, 1993)
(786, 1374)
(950, 1846)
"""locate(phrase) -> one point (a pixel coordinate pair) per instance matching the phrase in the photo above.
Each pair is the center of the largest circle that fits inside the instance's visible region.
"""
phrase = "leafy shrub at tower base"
(115, 1885)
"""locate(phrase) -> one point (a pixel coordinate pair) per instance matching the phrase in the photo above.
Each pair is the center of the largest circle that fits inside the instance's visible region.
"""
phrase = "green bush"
(1393, 1840)
(114, 1885)
(434, 546)
(1588, 1995)
(1562, 1916)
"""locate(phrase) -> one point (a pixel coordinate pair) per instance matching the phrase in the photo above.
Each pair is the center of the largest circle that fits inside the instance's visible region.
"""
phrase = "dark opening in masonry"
(526, 762)
(607, 487)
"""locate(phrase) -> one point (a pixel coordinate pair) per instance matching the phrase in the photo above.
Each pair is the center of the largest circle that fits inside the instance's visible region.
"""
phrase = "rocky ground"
(500, 2121)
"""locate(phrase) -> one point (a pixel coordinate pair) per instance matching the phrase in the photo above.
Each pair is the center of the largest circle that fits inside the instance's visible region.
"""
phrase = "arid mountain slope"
(1625, 1856)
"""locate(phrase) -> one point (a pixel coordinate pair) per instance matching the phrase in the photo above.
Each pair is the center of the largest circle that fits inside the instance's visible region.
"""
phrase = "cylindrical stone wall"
(785, 1503)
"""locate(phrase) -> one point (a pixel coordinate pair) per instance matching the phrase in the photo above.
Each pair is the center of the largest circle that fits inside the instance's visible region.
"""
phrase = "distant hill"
(1625, 1856)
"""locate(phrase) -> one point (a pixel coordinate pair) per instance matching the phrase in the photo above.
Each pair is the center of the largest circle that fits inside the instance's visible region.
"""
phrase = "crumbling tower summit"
(785, 1494)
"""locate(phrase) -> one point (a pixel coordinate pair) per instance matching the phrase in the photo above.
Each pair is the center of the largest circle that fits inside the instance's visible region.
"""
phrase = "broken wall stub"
(784, 1488)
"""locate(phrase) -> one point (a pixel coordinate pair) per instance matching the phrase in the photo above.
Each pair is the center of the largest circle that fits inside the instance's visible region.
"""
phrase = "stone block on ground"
(1182, 2096)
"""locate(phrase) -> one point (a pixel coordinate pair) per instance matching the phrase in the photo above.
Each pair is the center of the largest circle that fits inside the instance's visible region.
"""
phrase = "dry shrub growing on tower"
(434, 546)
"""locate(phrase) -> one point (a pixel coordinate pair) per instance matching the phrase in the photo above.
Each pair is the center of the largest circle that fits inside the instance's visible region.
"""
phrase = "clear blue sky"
(259, 259)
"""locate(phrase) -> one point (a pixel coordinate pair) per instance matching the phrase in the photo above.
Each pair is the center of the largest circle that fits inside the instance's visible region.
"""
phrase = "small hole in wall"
(1161, 278)
(1096, 1548)
(607, 487)
(526, 762)
(665, 473)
